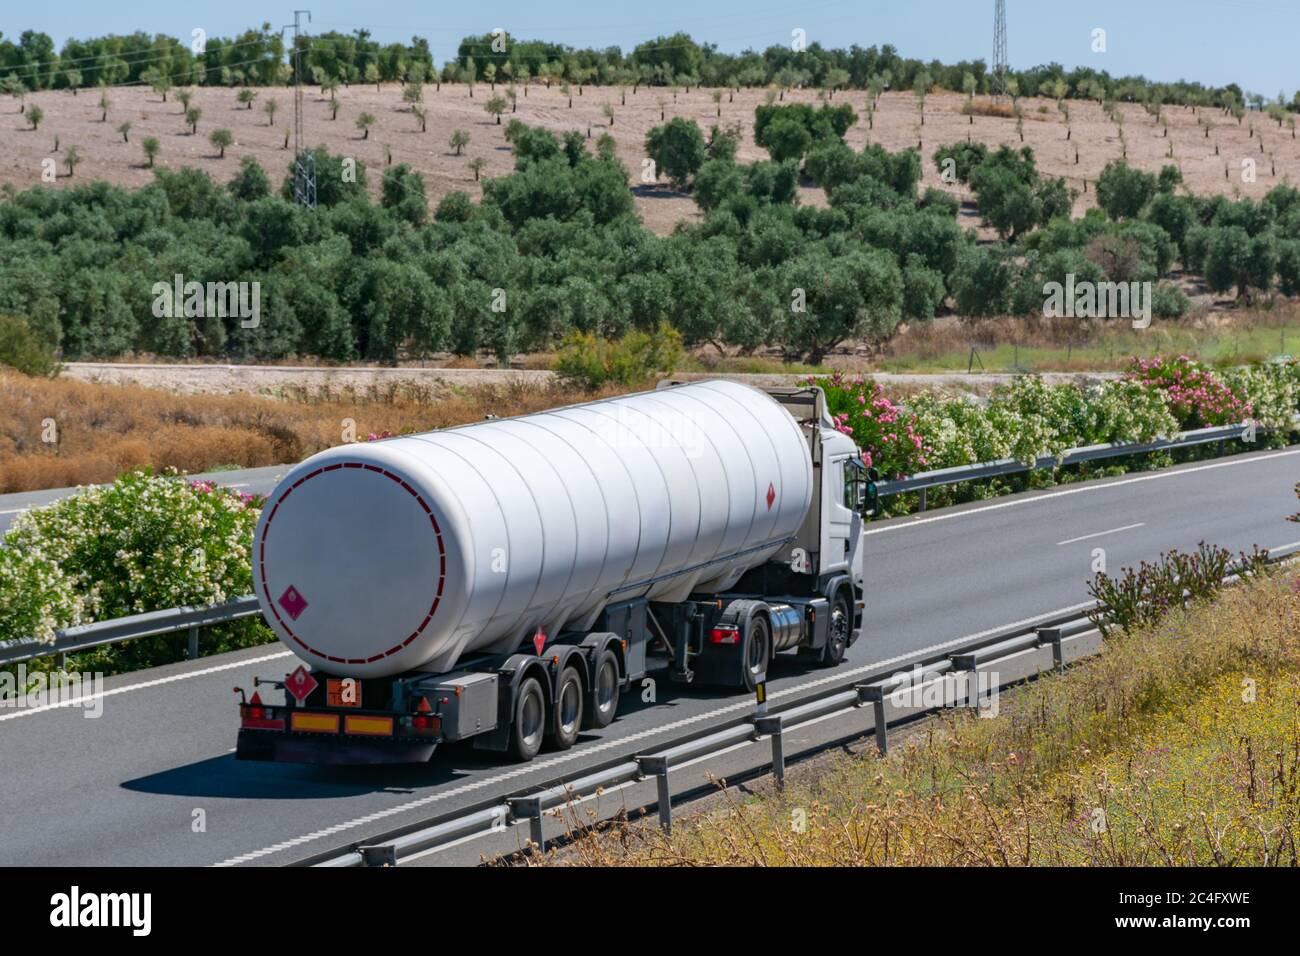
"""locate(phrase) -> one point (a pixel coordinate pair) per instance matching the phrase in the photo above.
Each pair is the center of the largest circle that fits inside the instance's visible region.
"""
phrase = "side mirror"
(870, 497)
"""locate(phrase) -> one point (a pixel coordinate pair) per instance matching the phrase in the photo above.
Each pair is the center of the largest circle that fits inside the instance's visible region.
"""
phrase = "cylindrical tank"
(409, 553)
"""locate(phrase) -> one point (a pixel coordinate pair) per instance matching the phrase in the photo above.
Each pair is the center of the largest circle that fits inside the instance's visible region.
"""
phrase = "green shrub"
(1168, 301)
(590, 362)
(22, 349)
(143, 543)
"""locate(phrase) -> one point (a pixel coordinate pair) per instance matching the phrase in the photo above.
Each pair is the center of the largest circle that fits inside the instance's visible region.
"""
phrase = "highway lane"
(248, 480)
(125, 788)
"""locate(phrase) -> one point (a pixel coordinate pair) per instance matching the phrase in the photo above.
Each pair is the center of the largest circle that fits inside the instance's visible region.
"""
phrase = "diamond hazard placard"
(293, 602)
(300, 683)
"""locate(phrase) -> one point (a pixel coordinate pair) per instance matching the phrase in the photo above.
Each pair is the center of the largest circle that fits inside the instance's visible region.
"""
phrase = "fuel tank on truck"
(410, 553)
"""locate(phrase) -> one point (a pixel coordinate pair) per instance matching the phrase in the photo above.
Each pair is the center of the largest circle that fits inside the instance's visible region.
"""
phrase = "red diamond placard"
(300, 683)
(539, 640)
(293, 602)
(771, 495)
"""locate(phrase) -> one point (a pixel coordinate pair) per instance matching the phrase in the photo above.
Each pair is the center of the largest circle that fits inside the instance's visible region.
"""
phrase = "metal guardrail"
(149, 624)
(1008, 466)
(532, 806)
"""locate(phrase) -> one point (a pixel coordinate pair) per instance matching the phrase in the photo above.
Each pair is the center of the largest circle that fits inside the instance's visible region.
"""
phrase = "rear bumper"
(281, 747)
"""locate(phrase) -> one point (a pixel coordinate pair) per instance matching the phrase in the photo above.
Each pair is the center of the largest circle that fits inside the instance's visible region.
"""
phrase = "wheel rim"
(839, 627)
(570, 706)
(757, 648)
(531, 719)
(606, 687)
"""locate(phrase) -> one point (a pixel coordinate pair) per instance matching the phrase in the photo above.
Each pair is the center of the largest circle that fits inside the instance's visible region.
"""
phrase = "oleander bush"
(1030, 419)
(144, 543)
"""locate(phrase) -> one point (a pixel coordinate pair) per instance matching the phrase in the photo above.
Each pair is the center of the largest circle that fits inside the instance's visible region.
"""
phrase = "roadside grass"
(1178, 746)
(101, 431)
(1010, 345)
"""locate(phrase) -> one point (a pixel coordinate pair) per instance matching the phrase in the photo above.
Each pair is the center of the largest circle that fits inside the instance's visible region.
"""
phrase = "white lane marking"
(1082, 489)
(1099, 534)
(582, 752)
(86, 698)
(13, 511)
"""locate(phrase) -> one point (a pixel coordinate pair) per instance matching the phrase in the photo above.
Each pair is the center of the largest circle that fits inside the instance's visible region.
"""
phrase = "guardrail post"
(385, 855)
(923, 499)
(63, 661)
(874, 695)
(530, 809)
(968, 664)
(658, 766)
(772, 727)
(192, 653)
(1052, 635)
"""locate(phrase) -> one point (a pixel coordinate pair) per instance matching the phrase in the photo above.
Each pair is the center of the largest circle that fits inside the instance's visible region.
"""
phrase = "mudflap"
(299, 748)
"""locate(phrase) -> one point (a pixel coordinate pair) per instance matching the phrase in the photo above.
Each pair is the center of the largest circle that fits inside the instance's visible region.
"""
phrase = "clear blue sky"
(1252, 42)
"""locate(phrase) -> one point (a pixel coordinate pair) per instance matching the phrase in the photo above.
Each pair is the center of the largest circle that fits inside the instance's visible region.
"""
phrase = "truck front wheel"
(566, 716)
(758, 650)
(529, 724)
(838, 628)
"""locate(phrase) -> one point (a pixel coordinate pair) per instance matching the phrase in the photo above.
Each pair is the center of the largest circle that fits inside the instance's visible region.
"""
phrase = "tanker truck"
(505, 582)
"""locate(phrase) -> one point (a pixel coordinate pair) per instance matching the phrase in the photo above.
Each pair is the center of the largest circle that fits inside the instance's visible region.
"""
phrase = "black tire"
(566, 710)
(838, 628)
(757, 652)
(528, 724)
(602, 702)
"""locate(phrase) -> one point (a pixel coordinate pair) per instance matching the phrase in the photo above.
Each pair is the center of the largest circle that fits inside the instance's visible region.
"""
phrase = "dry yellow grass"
(101, 431)
(1178, 746)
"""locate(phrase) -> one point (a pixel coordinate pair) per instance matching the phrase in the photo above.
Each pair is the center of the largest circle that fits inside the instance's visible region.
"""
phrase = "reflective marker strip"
(374, 726)
(315, 723)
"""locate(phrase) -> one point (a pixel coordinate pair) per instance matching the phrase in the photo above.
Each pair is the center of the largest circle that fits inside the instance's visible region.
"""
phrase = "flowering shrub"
(143, 543)
(885, 431)
(1274, 392)
(1197, 396)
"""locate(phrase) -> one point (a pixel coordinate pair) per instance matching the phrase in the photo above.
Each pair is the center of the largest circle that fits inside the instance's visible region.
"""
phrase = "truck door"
(839, 531)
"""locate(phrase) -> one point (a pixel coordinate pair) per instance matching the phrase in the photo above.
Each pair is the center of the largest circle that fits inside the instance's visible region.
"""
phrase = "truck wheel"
(566, 712)
(526, 730)
(604, 691)
(757, 652)
(838, 628)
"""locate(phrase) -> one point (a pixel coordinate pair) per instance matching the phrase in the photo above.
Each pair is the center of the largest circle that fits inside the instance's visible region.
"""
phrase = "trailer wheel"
(604, 691)
(526, 730)
(757, 652)
(566, 711)
(838, 628)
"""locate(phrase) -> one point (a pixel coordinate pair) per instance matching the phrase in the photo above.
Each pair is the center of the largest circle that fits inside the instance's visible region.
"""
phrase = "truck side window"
(855, 483)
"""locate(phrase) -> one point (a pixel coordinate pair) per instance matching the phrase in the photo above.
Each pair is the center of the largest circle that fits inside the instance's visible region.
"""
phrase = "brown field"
(75, 121)
(104, 430)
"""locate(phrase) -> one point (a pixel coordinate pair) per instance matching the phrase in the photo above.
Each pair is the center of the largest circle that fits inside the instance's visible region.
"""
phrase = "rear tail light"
(425, 720)
(258, 716)
(725, 634)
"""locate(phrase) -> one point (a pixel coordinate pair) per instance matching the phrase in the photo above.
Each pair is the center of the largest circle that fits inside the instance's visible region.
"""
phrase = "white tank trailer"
(506, 580)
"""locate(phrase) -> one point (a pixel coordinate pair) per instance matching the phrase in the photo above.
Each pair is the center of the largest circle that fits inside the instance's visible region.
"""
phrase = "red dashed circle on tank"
(442, 563)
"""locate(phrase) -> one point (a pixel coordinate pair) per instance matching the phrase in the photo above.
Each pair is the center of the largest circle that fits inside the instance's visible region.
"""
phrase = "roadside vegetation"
(144, 543)
(1030, 419)
(1177, 746)
(61, 433)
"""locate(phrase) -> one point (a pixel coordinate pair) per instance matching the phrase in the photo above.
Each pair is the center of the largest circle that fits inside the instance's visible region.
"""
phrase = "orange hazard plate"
(372, 726)
(315, 723)
(343, 692)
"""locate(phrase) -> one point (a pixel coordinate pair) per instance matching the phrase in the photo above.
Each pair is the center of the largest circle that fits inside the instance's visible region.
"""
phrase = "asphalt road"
(153, 780)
